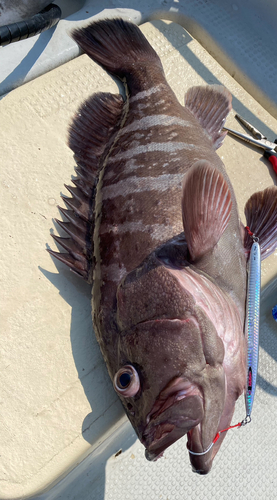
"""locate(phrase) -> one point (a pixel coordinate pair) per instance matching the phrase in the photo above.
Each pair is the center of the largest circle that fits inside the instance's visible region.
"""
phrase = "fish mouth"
(178, 408)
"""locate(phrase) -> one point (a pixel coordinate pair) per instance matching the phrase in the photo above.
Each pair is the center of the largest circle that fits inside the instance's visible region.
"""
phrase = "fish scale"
(162, 244)
(153, 187)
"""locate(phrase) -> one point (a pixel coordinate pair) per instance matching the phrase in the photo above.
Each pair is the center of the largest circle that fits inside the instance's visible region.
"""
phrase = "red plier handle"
(272, 157)
(259, 140)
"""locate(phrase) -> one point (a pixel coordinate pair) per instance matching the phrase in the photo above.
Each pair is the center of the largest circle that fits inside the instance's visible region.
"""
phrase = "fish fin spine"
(78, 267)
(211, 106)
(206, 207)
(261, 217)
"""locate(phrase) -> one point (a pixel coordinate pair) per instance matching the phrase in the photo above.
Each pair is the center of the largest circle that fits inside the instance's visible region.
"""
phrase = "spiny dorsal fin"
(76, 234)
(77, 265)
(74, 219)
(206, 207)
(211, 106)
(261, 216)
(91, 135)
(79, 245)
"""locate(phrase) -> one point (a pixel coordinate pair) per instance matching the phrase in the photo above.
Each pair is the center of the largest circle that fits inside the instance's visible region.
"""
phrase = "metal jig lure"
(252, 322)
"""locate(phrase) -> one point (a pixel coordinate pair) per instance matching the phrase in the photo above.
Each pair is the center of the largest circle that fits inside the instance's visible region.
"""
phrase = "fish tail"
(117, 45)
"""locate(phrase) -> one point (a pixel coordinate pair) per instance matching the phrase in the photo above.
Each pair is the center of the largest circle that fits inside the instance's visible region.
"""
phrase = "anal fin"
(206, 208)
(91, 137)
(261, 216)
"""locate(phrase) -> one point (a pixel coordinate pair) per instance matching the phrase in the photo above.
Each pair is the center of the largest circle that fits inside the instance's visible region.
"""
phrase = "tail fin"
(117, 45)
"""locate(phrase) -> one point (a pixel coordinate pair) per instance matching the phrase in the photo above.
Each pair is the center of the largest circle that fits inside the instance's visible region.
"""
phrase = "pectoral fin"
(206, 208)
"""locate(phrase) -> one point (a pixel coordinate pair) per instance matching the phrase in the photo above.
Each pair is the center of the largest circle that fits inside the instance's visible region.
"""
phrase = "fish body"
(154, 224)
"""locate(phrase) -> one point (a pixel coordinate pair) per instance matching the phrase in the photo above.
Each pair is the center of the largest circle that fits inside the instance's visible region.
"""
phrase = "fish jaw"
(202, 463)
(201, 458)
(209, 355)
(178, 409)
(174, 397)
(235, 385)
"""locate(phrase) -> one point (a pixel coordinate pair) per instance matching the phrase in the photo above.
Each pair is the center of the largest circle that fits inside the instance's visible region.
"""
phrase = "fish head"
(169, 372)
(167, 403)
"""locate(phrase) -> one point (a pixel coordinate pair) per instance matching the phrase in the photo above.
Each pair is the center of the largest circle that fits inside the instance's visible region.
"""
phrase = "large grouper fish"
(153, 224)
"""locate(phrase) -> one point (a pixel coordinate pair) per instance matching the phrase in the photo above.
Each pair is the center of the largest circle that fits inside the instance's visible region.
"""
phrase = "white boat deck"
(58, 408)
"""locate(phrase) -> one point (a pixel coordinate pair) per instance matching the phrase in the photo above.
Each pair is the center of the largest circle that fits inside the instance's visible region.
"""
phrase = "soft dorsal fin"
(93, 126)
(261, 216)
(206, 207)
(91, 135)
(211, 106)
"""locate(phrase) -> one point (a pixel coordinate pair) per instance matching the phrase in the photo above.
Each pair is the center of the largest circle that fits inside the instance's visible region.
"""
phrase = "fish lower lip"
(156, 449)
(171, 425)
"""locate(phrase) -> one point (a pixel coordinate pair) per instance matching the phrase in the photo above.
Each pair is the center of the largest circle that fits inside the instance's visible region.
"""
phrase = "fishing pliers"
(259, 140)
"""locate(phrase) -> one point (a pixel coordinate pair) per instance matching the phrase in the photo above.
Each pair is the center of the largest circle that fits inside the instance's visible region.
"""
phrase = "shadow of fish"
(153, 223)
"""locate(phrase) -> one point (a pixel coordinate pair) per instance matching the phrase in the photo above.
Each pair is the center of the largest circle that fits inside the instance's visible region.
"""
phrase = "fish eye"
(126, 381)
